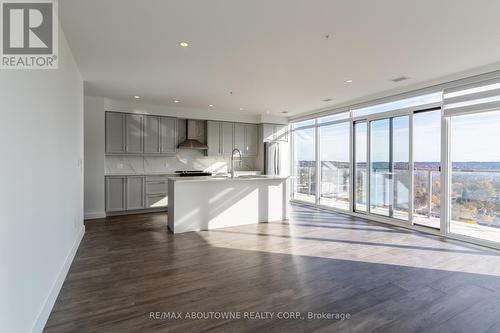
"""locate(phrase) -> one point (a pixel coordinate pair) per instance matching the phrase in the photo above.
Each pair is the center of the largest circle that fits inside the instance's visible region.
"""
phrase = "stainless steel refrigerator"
(276, 158)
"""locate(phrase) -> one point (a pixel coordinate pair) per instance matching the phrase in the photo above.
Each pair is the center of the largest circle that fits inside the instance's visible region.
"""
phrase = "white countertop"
(140, 174)
(173, 174)
(225, 179)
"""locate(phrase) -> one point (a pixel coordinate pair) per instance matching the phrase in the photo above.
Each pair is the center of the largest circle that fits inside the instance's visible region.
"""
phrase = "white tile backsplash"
(124, 165)
(184, 160)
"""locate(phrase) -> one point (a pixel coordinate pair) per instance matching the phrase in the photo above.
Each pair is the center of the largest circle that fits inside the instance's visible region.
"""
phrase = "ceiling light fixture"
(176, 101)
(284, 112)
(210, 105)
(183, 44)
(137, 97)
(241, 109)
(399, 79)
(348, 81)
(327, 100)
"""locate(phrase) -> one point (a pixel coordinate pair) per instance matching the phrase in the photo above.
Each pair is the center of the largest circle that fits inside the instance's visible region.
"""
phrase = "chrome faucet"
(232, 160)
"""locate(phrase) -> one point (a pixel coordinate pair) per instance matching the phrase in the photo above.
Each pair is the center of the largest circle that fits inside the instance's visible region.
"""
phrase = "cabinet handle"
(160, 133)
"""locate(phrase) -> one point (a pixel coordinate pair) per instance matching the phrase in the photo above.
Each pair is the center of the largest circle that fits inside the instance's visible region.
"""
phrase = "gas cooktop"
(192, 173)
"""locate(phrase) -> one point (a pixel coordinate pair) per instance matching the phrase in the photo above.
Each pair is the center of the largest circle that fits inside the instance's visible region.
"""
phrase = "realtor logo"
(29, 35)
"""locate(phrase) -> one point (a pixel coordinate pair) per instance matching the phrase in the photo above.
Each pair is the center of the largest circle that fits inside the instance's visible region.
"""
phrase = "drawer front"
(156, 201)
(157, 187)
(157, 178)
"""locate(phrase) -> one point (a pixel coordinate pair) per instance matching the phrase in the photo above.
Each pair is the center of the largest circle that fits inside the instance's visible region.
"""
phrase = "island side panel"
(171, 206)
(204, 205)
(286, 198)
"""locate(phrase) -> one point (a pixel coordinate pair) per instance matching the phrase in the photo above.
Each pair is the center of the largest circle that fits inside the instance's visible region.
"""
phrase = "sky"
(476, 137)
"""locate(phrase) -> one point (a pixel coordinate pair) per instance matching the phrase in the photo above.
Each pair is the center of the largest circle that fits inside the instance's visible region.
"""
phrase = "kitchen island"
(204, 203)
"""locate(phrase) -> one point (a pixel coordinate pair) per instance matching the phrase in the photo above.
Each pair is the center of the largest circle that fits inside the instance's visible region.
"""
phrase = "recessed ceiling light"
(176, 101)
(241, 109)
(183, 44)
(210, 105)
(348, 81)
(284, 112)
(399, 79)
(327, 100)
(137, 97)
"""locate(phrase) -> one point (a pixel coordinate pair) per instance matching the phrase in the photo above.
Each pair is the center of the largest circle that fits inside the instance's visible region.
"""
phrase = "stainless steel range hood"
(191, 143)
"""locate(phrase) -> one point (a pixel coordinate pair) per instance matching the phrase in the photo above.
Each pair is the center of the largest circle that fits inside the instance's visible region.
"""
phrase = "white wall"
(41, 192)
(94, 157)
(179, 112)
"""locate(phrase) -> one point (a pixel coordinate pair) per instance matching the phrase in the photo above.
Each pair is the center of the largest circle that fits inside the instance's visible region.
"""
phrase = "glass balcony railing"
(305, 183)
(475, 195)
(475, 203)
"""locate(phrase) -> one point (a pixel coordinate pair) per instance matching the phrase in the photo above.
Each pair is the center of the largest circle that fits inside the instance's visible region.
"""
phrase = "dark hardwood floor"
(386, 279)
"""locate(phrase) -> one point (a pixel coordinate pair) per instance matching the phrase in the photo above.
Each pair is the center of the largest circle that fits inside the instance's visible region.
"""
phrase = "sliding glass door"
(390, 175)
(427, 168)
(380, 167)
(401, 175)
(384, 160)
(475, 176)
(360, 167)
(304, 163)
(334, 165)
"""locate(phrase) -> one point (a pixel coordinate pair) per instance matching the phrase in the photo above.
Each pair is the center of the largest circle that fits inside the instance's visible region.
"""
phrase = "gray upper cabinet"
(239, 137)
(168, 135)
(223, 137)
(128, 133)
(227, 139)
(274, 132)
(214, 138)
(268, 132)
(134, 126)
(151, 134)
(115, 132)
(251, 139)
(135, 192)
(115, 194)
(281, 132)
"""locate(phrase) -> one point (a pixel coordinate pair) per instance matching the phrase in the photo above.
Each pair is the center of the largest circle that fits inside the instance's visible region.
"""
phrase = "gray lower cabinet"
(115, 132)
(135, 192)
(156, 191)
(156, 201)
(115, 194)
(134, 126)
(124, 193)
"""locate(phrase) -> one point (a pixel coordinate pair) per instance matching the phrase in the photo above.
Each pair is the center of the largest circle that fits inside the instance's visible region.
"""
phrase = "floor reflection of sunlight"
(309, 234)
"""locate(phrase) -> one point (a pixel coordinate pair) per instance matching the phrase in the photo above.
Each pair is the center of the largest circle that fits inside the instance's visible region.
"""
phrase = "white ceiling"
(273, 54)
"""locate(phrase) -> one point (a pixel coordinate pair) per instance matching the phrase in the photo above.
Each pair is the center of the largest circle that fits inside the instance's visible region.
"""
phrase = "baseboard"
(94, 215)
(44, 314)
(138, 211)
